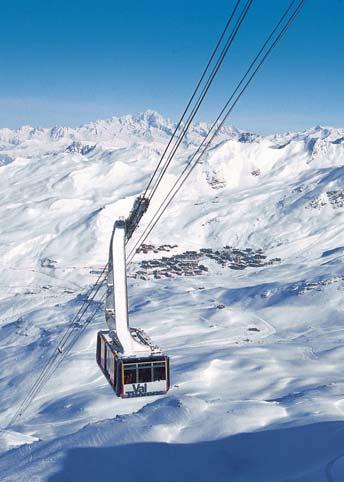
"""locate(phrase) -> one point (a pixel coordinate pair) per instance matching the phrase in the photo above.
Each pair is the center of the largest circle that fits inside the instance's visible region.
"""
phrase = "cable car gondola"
(133, 366)
(131, 376)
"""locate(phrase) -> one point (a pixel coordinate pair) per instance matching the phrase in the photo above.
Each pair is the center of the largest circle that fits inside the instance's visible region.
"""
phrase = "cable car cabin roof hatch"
(132, 364)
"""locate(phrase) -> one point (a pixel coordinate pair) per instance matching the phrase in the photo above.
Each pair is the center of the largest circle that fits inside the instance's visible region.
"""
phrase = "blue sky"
(69, 62)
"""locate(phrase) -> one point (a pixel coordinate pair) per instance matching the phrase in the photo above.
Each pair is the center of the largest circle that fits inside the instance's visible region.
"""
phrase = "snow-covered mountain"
(149, 125)
(255, 338)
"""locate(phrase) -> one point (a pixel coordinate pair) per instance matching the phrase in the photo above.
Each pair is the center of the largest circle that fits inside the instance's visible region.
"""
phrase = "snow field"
(257, 386)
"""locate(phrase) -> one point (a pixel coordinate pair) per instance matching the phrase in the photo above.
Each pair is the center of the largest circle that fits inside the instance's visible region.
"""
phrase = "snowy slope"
(257, 354)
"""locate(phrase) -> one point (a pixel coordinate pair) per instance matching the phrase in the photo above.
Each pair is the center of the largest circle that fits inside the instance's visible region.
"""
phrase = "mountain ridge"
(146, 122)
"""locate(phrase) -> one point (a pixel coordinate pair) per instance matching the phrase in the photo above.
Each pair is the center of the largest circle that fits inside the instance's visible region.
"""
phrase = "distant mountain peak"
(152, 117)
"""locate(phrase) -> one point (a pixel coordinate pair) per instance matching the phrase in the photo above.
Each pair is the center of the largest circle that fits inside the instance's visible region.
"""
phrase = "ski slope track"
(257, 353)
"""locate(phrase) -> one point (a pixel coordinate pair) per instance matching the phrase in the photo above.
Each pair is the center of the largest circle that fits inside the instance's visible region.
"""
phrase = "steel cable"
(168, 198)
(203, 93)
(76, 319)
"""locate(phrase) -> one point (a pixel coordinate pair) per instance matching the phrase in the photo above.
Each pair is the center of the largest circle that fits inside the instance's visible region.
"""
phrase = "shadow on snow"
(310, 453)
